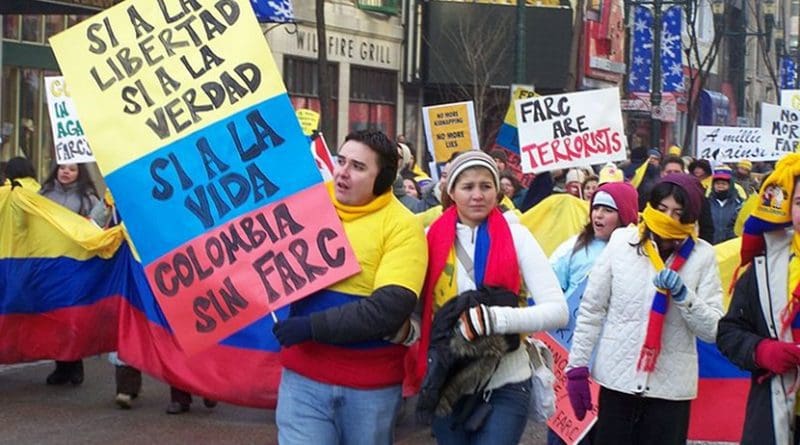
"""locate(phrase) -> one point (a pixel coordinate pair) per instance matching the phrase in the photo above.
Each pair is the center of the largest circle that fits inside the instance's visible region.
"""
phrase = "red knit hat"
(626, 199)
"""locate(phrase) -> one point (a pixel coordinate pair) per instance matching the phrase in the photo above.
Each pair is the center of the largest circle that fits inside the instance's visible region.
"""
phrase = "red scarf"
(502, 270)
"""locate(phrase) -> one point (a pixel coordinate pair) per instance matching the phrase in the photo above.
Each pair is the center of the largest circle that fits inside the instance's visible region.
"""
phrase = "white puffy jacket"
(615, 310)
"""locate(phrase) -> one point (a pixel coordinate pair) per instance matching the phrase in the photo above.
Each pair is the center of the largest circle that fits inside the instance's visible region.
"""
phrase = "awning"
(713, 109)
(55, 6)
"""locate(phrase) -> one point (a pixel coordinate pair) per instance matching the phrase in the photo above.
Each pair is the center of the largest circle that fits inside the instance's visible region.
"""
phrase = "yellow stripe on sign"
(145, 73)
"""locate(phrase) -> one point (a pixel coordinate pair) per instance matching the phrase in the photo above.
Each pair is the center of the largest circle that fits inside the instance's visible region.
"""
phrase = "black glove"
(292, 331)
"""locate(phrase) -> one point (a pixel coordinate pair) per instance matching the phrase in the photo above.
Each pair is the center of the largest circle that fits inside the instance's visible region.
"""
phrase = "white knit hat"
(472, 158)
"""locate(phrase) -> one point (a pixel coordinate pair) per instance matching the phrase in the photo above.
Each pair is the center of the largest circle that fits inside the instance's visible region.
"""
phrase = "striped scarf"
(667, 228)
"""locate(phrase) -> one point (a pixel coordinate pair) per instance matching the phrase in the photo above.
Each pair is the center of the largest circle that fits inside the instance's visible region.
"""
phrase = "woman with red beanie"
(613, 205)
(761, 331)
(652, 292)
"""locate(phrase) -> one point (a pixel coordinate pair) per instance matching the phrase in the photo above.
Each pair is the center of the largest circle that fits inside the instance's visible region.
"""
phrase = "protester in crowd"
(700, 169)
(760, 333)
(411, 186)
(473, 247)
(589, 186)
(501, 159)
(610, 173)
(574, 182)
(647, 381)
(70, 186)
(343, 347)
(741, 177)
(654, 157)
(398, 187)
(420, 176)
(20, 171)
(674, 150)
(670, 165)
(614, 205)
(512, 188)
(181, 401)
(725, 205)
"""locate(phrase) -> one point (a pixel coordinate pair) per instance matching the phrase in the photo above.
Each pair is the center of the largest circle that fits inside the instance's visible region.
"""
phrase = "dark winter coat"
(723, 214)
(457, 367)
(754, 315)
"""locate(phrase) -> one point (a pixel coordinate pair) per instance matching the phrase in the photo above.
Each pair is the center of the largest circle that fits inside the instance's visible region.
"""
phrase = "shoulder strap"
(465, 260)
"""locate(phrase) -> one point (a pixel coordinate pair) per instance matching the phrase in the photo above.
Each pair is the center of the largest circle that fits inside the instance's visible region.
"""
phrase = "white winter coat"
(614, 314)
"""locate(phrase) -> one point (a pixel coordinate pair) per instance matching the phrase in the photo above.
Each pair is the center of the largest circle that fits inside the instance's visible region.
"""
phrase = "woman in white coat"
(642, 319)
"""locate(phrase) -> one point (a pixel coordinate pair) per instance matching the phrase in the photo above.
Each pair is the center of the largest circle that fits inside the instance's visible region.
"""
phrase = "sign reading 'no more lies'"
(195, 134)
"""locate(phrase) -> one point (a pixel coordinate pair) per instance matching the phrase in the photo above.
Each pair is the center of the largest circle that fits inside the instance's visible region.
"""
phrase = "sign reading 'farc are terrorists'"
(191, 125)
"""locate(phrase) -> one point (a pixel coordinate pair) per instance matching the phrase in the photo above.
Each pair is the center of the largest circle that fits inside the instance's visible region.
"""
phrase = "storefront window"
(53, 24)
(29, 112)
(11, 27)
(373, 98)
(32, 28)
(302, 84)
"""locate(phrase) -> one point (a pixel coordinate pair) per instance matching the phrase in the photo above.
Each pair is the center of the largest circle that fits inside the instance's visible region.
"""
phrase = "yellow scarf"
(446, 286)
(349, 213)
(663, 225)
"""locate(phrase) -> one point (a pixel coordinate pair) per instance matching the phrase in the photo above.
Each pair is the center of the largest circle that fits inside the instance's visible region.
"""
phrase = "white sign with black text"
(71, 146)
(570, 130)
(731, 144)
(780, 128)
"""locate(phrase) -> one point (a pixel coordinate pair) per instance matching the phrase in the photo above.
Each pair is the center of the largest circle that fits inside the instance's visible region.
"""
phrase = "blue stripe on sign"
(218, 185)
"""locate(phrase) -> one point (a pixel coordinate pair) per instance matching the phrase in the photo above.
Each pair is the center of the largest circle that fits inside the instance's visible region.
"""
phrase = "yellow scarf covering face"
(664, 225)
(349, 213)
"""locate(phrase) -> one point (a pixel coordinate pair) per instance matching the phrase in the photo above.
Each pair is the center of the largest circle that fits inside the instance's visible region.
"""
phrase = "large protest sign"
(563, 422)
(450, 128)
(69, 139)
(780, 128)
(731, 144)
(196, 136)
(569, 130)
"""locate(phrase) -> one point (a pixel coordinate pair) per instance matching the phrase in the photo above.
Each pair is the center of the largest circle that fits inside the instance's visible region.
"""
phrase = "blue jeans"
(310, 413)
(504, 426)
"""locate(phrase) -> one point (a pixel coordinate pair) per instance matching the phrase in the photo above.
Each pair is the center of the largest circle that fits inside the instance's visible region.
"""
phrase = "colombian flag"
(71, 289)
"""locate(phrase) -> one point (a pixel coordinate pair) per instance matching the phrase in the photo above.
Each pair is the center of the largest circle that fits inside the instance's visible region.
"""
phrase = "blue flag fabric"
(788, 73)
(273, 11)
(639, 80)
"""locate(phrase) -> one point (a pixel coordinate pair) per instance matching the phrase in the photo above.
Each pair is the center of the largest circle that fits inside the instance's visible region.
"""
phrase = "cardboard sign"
(570, 130)
(780, 128)
(450, 128)
(790, 99)
(731, 144)
(69, 140)
(197, 138)
(309, 120)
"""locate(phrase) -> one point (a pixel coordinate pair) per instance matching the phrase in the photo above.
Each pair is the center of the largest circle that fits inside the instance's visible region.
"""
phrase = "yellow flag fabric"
(728, 260)
(556, 219)
(638, 174)
(32, 226)
(747, 209)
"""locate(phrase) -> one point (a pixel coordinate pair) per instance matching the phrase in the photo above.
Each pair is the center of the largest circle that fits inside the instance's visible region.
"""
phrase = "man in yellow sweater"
(343, 347)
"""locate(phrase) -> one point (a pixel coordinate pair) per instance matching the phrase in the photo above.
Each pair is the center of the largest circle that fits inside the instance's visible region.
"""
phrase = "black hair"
(410, 176)
(700, 163)
(499, 154)
(387, 157)
(657, 194)
(86, 186)
(514, 181)
(672, 160)
(19, 167)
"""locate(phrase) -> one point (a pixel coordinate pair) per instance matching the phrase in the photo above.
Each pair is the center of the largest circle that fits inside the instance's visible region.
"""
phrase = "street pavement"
(34, 413)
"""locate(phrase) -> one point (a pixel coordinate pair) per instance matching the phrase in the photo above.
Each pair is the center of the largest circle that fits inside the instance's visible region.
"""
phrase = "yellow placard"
(518, 93)
(192, 64)
(450, 130)
(309, 120)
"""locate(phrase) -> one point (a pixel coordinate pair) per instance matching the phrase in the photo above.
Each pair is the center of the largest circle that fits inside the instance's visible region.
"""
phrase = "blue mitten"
(669, 280)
